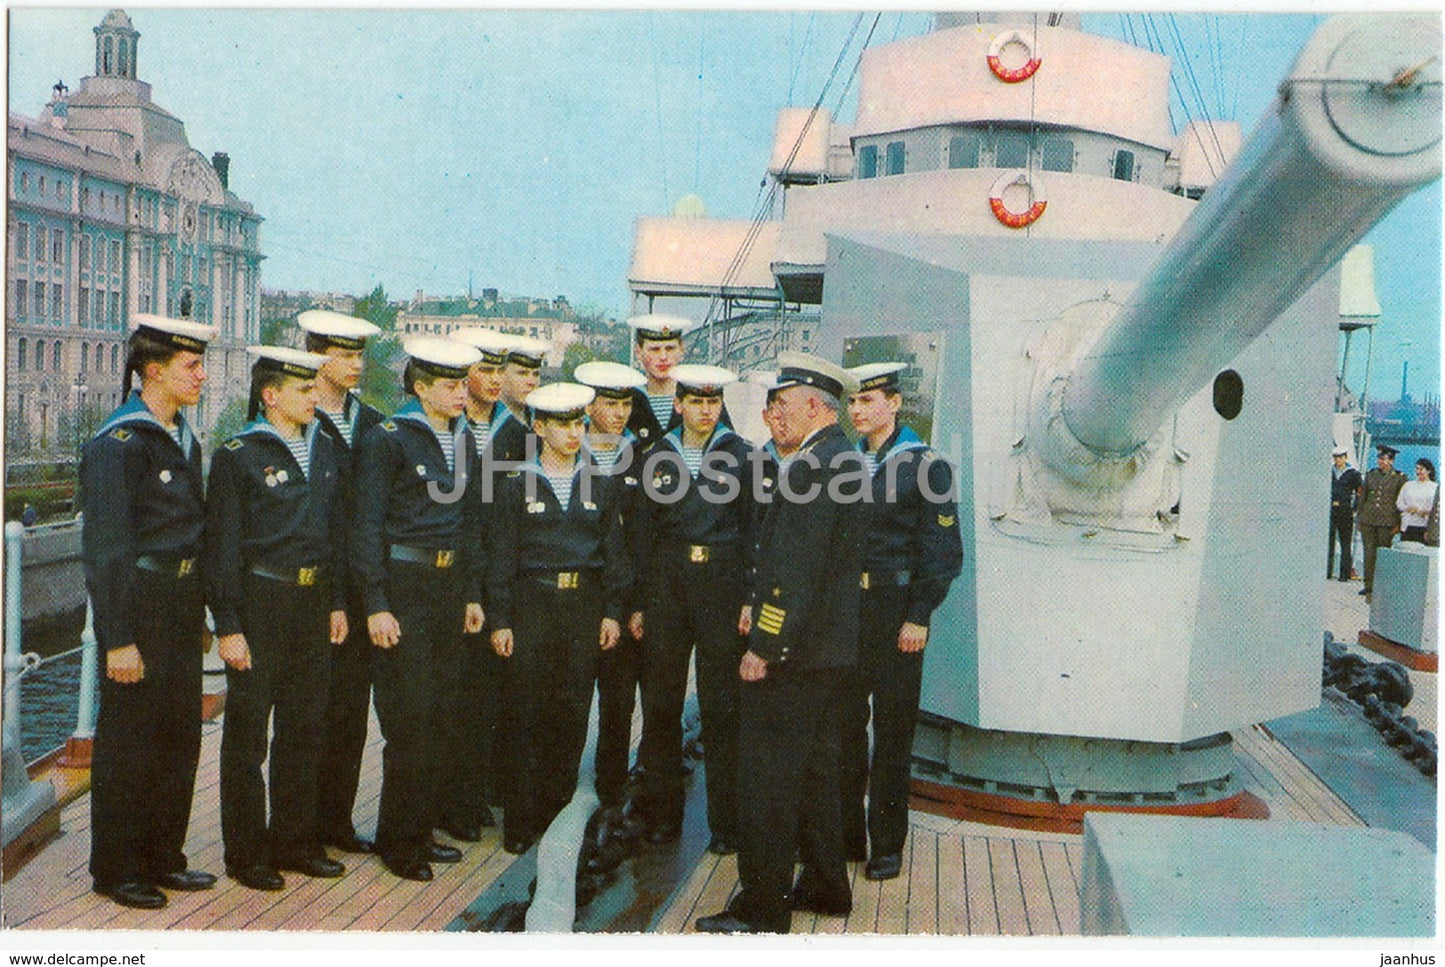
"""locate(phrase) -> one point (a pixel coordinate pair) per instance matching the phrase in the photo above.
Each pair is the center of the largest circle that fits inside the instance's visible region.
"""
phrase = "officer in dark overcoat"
(275, 567)
(802, 631)
(912, 551)
(345, 418)
(417, 553)
(144, 513)
(557, 586)
(698, 526)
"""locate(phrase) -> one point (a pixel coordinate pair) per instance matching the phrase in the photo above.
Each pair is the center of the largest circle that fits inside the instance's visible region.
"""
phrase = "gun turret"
(1354, 129)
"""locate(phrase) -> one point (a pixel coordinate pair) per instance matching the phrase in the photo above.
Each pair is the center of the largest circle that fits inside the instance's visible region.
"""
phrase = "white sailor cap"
(560, 401)
(877, 375)
(656, 325)
(695, 379)
(441, 357)
(1340, 452)
(609, 379)
(528, 352)
(338, 329)
(494, 345)
(177, 333)
(291, 362)
(805, 369)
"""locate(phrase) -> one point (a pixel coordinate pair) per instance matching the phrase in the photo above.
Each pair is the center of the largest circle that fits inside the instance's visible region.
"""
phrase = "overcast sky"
(418, 148)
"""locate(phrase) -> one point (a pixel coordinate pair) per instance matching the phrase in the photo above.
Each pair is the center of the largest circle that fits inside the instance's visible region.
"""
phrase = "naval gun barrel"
(1354, 129)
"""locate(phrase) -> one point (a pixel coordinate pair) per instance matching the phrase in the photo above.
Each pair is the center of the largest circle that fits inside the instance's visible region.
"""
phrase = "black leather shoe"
(186, 881)
(258, 876)
(806, 898)
(517, 845)
(320, 866)
(348, 842)
(722, 846)
(409, 869)
(725, 922)
(466, 832)
(486, 820)
(884, 867)
(437, 853)
(664, 833)
(132, 893)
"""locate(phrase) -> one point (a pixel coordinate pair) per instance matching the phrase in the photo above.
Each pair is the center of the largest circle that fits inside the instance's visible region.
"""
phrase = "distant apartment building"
(283, 304)
(112, 212)
(552, 320)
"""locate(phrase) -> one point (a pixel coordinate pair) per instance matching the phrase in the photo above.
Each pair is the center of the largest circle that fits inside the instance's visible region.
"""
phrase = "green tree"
(375, 307)
(380, 376)
(279, 331)
(231, 421)
(575, 356)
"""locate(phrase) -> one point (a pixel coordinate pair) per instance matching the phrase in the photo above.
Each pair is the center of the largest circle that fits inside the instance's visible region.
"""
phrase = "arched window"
(39, 355)
(84, 356)
(105, 56)
(55, 357)
(20, 348)
(99, 357)
(114, 359)
(121, 64)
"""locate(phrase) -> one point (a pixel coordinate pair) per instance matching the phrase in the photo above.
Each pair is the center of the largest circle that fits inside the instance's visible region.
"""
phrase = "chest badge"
(283, 475)
(420, 470)
(536, 507)
(165, 476)
(588, 505)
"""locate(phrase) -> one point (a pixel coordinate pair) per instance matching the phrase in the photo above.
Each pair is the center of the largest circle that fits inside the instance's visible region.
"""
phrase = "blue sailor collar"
(264, 427)
(134, 411)
(719, 434)
(903, 438)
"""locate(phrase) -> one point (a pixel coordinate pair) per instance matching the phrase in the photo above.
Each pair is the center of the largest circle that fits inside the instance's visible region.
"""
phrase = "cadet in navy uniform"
(275, 566)
(471, 698)
(619, 672)
(699, 527)
(416, 551)
(1345, 483)
(344, 419)
(911, 554)
(557, 583)
(802, 646)
(144, 509)
(522, 373)
(657, 345)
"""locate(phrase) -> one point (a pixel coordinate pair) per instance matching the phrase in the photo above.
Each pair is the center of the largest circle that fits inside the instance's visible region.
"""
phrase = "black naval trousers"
(548, 690)
(148, 737)
(698, 608)
(1342, 529)
(894, 680)
(288, 633)
(428, 603)
(472, 677)
(348, 708)
(619, 673)
(791, 719)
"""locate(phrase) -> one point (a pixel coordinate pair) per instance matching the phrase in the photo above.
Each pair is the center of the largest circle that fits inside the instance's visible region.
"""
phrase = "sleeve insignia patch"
(946, 521)
(388, 426)
(770, 619)
(234, 444)
(121, 434)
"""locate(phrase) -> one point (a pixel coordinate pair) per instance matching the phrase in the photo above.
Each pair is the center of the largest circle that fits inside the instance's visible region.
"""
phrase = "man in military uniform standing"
(802, 646)
(275, 566)
(694, 574)
(1379, 518)
(344, 419)
(417, 554)
(1345, 485)
(619, 672)
(143, 498)
(522, 373)
(912, 552)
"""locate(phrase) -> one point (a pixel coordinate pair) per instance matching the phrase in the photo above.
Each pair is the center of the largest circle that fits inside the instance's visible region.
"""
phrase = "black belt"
(563, 580)
(171, 564)
(431, 557)
(302, 577)
(883, 579)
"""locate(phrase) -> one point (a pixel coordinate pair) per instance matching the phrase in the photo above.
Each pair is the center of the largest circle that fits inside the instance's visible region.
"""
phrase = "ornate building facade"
(112, 212)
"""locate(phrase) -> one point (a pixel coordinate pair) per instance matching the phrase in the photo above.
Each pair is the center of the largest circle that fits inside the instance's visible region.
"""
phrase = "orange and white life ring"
(1038, 201)
(1018, 74)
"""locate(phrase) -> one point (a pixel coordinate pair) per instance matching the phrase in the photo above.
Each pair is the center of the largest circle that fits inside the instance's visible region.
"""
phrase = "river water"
(49, 698)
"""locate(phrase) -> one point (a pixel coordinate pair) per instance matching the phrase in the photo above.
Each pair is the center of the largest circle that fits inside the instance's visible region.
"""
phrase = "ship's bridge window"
(1011, 151)
(894, 159)
(1123, 165)
(963, 151)
(1057, 154)
(868, 161)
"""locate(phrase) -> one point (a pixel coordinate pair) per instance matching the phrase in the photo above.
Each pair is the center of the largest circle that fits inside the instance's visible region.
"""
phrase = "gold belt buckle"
(445, 558)
(566, 580)
(186, 566)
(305, 577)
(698, 553)
(863, 581)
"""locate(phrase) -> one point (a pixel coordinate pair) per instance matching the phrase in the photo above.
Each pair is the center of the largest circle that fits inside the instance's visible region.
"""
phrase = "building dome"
(117, 18)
